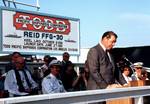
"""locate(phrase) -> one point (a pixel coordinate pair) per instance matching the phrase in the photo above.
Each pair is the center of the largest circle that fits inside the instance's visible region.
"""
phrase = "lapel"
(112, 62)
(100, 49)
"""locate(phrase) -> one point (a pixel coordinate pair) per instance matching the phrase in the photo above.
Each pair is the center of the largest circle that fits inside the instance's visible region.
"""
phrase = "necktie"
(110, 59)
(107, 55)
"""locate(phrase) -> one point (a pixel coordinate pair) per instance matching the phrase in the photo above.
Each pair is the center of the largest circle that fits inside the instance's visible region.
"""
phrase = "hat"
(138, 64)
(54, 62)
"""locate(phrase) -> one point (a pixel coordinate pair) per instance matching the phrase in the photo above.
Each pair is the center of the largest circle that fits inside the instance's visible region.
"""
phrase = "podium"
(139, 83)
(130, 100)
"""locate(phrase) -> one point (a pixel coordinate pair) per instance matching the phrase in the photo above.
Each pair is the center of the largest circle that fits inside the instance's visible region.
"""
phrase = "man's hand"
(114, 86)
(126, 85)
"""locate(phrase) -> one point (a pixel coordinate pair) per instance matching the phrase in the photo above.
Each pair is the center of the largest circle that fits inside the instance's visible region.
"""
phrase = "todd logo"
(24, 21)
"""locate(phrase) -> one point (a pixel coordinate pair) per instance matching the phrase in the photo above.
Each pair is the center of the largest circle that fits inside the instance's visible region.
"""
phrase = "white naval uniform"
(51, 84)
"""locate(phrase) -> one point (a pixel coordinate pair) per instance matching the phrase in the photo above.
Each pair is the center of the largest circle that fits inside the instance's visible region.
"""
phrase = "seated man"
(140, 72)
(51, 83)
(11, 64)
(18, 81)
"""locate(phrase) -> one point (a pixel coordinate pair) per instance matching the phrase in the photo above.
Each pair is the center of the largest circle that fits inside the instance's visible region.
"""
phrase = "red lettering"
(25, 21)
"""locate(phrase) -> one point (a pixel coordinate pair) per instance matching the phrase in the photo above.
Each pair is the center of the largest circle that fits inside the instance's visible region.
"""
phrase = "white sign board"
(36, 33)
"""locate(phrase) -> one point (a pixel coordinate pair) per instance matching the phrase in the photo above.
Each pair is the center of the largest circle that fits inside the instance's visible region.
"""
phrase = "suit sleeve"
(93, 65)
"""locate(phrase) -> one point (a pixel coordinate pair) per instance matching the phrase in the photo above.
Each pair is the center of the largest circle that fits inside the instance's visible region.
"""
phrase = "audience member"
(11, 64)
(144, 74)
(47, 71)
(2, 78)
(3, 93)
(126, 72)
(65, 60)
(72, 81)
(50, 83)
(66, 57)
(37, 76)
(80, 82)
(18, 80)
(140, 73)
(46, 63)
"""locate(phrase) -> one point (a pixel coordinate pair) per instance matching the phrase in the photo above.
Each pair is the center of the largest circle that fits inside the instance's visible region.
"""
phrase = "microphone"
(131, 64)
(126, 59)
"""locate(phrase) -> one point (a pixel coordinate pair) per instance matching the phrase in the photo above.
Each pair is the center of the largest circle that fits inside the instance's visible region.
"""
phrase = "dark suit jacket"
(101, 71)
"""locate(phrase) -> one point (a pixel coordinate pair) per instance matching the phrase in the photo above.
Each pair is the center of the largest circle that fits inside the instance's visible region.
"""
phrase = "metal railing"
(80, 97)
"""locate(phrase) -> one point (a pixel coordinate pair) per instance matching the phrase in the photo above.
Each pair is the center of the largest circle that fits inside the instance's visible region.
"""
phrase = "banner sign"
(36, 33)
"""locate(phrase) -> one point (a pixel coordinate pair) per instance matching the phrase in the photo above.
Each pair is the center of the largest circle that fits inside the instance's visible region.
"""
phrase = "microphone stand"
(131, 64)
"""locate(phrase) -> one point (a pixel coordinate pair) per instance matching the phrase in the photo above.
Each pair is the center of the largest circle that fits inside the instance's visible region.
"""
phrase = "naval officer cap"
(138, 64)
(54, 63)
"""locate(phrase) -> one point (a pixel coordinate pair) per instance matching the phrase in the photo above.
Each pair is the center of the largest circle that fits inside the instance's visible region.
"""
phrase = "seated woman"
(126, 72)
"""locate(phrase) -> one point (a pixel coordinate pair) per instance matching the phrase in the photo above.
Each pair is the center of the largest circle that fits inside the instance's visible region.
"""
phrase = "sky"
(129, 19)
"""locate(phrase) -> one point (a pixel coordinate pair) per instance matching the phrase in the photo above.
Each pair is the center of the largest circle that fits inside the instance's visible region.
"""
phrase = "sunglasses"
(138, 67)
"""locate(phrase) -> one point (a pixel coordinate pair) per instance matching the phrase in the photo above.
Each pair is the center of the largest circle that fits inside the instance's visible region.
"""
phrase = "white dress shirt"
(127, 78)
(10, 83)
(51, 84)
(103, 47)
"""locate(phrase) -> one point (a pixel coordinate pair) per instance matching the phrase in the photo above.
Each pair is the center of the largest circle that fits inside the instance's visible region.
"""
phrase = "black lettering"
(31, 34)
(25, 34)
